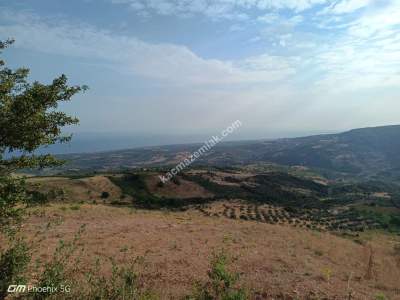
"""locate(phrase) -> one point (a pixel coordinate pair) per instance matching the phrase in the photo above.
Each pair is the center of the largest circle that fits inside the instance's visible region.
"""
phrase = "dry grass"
(86, 190)
(273, 260)
(185, 188)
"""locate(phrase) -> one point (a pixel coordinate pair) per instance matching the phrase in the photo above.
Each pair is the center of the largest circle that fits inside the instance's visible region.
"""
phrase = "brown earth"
(86, 189)
(184, 189)
(275, 261)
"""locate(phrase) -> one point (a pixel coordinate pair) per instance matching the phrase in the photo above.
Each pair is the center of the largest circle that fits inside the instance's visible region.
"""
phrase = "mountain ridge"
(366, 151)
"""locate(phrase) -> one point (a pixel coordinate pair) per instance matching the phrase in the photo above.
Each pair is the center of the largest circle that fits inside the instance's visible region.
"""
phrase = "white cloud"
(296, 20)
(348, 6)
(280, 31)
(363, 52)
(296, 5)
(381, 22)
(216, 9)
(268, 18)
(349, 66)
(346, 57)
(168, 62)
(367, 55)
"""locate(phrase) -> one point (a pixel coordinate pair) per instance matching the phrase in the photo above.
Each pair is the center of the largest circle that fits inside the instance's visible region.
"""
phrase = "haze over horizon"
(90, 142)
(177, 71)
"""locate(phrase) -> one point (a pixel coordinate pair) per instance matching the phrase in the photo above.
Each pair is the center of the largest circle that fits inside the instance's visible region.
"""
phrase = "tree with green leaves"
(29, 119)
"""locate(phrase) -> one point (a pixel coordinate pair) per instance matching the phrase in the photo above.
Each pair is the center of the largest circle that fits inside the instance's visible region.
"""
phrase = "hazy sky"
(181, 67)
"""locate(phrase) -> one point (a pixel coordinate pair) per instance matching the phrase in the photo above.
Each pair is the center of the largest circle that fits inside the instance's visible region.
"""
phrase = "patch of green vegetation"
(135, 186)
(60, 271)
(80, 175)
(388, 220)
(221, 191)
(222, 283)
(130, 184)
(37, 198)
(300, 197)
(75, 207)
(380, 296)
(13, 263)
(318, 252)
(105, 195)
(275, 188)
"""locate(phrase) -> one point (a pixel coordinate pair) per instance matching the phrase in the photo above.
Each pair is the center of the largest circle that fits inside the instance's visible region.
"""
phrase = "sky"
(179, 68)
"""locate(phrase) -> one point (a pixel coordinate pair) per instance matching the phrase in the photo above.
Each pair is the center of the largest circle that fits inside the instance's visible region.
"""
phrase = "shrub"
(105, 195)
(319, 252)
(12, 195)
(380, 296)
(56, 272)
(221, 283)
(160, 184)
(123, 283)
(13, 262)
(327, 274)
(65, 263)
(75, 207)
(37, 197)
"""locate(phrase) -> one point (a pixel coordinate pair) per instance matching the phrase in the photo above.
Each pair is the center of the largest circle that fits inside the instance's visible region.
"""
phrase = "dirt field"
(274, 261)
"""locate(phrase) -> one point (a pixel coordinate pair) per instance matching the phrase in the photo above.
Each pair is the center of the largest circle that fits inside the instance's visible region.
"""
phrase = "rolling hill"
(366, 152)
(295, 233)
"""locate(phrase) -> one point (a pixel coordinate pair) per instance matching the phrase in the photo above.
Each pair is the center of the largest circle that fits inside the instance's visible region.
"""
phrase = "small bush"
(38, 198)
(327, 274)
(319, 252)
(221, 283)
(61, 270)
(122, 284)
(105, 195)
(160, 184)
(13, 263)
(56, 272)
(380, 296)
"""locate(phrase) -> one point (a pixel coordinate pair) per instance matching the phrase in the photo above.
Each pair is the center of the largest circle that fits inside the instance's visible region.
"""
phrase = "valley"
(291, 231)
(361, 153)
